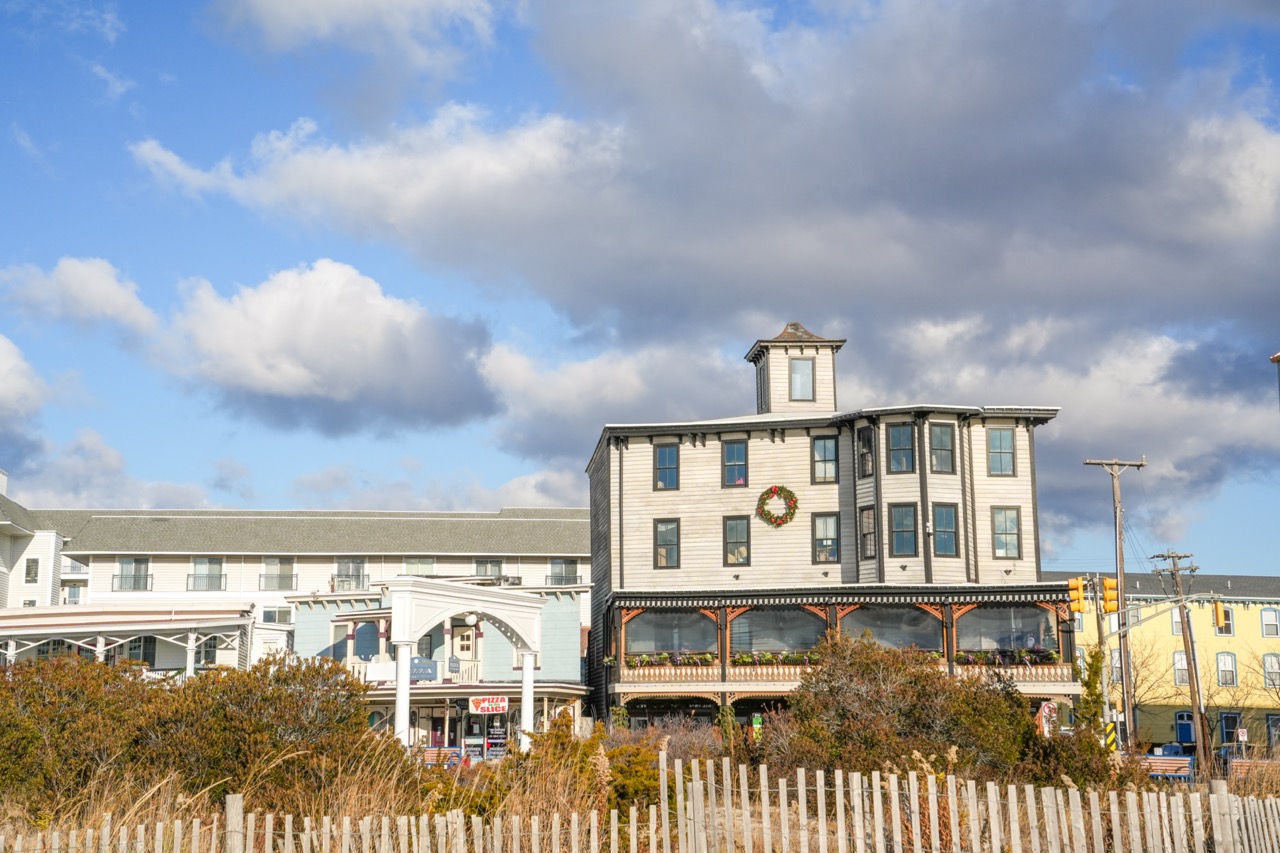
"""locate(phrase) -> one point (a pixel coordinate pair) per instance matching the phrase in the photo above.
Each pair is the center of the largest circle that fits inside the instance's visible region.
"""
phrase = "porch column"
(404, 651)
(526, 698)
(11, 651)
(191, 653)
(100, 651)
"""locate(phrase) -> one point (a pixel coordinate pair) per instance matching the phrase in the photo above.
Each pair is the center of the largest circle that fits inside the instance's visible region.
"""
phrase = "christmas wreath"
(788, 498)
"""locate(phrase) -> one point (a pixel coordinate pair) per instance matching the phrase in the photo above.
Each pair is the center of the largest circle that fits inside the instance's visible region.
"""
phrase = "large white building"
(723, 549)
(502, 594)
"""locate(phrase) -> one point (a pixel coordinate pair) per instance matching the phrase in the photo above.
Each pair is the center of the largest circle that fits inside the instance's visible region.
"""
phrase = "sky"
(413, 254)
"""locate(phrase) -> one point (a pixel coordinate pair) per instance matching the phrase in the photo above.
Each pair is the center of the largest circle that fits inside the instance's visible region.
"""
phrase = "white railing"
(384, 671)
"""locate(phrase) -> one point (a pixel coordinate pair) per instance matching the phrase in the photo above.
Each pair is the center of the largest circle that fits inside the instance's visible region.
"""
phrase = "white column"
(404, 651)
(11, 652)
(100, 652)
(191, 653)
(526, 698)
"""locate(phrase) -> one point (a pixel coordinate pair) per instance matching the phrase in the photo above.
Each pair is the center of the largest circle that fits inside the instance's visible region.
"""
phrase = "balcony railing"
(206, 583)
(71, 567)
(385, 672)
(131, 583)
(563, 580)
(1035, 673)
(277, 582)
(348, 583)
(710, 673)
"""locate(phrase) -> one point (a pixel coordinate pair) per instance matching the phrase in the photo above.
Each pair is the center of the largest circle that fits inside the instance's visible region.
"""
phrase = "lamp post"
(1275, 359)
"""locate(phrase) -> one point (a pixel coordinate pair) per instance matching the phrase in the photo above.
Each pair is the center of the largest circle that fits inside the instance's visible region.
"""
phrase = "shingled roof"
(792, 333)
(527, 532)
(1141, 584)
(16, 515)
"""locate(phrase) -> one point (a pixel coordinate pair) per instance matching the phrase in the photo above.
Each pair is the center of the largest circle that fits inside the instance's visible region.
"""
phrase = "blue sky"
(414, 253)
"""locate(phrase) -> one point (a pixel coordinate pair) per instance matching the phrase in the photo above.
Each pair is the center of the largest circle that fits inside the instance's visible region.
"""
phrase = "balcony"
(710, 674)
(564, 580)
(131, 583)
(276, 583)
(348, 583)
(1028, 678)
(72, 568)
(384, 672)
(206, 583)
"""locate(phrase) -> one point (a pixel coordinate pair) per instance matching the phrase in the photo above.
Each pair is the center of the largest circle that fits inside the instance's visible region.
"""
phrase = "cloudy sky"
(414, 253)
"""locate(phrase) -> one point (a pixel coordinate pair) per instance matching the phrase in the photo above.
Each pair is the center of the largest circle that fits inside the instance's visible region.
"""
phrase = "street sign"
(1242, 735)
(488, 704)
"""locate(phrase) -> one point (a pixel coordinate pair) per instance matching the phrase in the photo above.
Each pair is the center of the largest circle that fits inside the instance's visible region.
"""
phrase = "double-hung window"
(902, 448)
(1226, 669)
(1176, 617)
(1116, 669)
(866, 452)
(33, 570)
(1181, 677)
(944, 530)
(737, 540)
(802, 379)
(1000, 452)
(733, 457)
(826, 466)
(666, 467)
(1271, 671)
(488, 567)
(422, 567)
(666, 543)
(207, 575)
(1270, 622)
(942, 448)
(1228, 626)
(867, 532)
(1006, 533)
(902, 530)
(826, 537)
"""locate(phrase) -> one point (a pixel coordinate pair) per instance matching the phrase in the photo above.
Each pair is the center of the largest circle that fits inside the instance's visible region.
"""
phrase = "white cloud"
(116, 86)
(24, 391)
(340, 487)
(323, 346)
(89, 473)
(82, 290)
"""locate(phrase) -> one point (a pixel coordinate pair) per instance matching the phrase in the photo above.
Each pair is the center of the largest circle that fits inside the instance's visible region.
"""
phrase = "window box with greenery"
(1009, 657)
(666, 659)
(789, 658)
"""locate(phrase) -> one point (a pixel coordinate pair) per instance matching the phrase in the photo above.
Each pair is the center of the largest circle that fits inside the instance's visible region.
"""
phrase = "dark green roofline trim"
(1051, 593)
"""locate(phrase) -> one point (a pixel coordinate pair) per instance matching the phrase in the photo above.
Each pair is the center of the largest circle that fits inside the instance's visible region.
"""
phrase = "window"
(28, 602)
(1176, 621)
(896, 626)
(135, 574)
(902, 452)
(1271, 671)
(867, 532)
(866, 452)
(488, 567)
(207, 576)
(902, 530)
(666, 467)
(1007, 627)
(666, 543)
(826, 467)
(1226, 669)
(1184, 727)
(737, 540)
(420, 566)
(942, 448)
(1077, 623)
(1117, 672)
(733, 457)
(1000, 451)
(775, 629)
(277, 574)
(1270, 622)
(349, 574)
(1180, 675)
(207, 652)
(142, 649)
(826, 537)
(1006, 533)
(33, 570)
(52, 649)
(802, 379)
(657, 631)
(944, 530)
(562, 571)
(1230, 722)
(72, 595)
(277, 615)
(1228, 626)
(426, 646)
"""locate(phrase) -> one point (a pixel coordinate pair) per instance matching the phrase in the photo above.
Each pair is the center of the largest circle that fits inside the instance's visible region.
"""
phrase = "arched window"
(1228, 626)
(898, 626)
(775, 629)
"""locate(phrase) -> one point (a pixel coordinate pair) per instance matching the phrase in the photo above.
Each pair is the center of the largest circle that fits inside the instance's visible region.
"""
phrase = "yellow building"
(1238, 662)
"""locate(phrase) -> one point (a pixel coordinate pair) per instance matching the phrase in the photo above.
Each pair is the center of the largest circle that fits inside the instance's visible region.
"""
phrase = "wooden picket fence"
(710, 809)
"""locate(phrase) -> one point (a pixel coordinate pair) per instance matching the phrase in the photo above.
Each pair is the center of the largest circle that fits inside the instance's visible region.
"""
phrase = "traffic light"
(1219, 614)
(1075, 588)
(1110, 595)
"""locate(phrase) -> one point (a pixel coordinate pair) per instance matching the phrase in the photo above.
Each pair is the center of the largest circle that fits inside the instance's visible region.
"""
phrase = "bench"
(1246, 766)
(1180, 767)
(446, 756)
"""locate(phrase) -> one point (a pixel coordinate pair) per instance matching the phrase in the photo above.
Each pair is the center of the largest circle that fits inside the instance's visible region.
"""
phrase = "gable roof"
(16, 515)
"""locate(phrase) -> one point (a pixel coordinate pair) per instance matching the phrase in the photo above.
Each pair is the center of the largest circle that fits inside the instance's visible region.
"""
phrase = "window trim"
(724, 533)
(813, 537)
(724, 464)
(1175, 621)
(32, 563)
(1017, 511)
(915, 531)
(1186, 673)
(1275, 624)
(866, 451)
(675, 446)
(1012, 451)
(1271, 678)
(834, 460)
(656, 522)
(1235, 672)
(1229, 628)
(813, 379)
(950, 429)
(954, 531)
(911, 448)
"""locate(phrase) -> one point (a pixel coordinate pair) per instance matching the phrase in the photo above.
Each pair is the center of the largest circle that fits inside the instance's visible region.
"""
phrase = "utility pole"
(1275, 359)
(1189, 649)
(1115, 467)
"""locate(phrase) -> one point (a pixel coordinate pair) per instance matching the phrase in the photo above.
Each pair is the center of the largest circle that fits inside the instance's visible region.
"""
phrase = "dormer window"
(802, 379)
